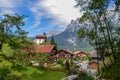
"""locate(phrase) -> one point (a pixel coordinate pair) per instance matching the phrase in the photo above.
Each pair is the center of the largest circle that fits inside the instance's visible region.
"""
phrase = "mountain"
(53, 33)
(68, 39)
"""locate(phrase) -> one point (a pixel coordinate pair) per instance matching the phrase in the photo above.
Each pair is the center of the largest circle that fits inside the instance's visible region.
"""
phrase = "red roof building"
(93, 65)
(80, 54)
(43, 49)
(63, 54)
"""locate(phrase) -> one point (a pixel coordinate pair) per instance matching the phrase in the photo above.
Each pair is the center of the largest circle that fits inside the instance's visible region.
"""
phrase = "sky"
(42, 15)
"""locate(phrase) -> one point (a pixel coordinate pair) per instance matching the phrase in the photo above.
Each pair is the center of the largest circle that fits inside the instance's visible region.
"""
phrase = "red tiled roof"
(43, 48)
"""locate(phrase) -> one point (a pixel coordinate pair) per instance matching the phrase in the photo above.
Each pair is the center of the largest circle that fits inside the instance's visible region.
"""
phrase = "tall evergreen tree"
(52, 41)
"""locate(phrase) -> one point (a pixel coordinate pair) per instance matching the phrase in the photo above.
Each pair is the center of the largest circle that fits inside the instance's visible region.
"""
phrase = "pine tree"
(52, 41)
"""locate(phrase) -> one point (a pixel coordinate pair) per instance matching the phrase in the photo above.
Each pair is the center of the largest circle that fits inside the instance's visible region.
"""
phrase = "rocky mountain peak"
(73, 26)
(53, 33)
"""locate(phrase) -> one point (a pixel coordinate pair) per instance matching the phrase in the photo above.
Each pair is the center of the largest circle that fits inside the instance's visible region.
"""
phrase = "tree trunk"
(1, 46)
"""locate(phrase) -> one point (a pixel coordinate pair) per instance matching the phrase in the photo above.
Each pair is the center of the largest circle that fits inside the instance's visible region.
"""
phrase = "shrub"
(84, 76)
(12, 77)
(3, 73)
(18, 67)
(60, 62)
(67, 65)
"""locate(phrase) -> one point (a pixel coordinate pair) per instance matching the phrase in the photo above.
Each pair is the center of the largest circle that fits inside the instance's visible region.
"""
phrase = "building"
(64, 54)
(94, 56)
(47, 49)
(80, 54)
(93, 65)
(40, 39)
(51, 49)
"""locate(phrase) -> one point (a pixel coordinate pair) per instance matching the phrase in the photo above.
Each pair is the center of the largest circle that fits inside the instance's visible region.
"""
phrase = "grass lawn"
(57, 66)
(36, 74)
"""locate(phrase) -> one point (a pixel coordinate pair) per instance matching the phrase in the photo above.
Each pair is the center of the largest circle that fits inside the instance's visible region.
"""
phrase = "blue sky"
(42, 15)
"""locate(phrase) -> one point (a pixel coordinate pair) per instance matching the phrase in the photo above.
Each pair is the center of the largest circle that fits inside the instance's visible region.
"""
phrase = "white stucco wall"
(39, 41)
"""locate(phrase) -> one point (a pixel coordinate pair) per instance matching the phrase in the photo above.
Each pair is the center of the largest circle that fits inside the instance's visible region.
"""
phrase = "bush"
(12, 77)
(112, 71)
(67, 65)
(84, 76)
(60, 62)
(18, 67)
(3, 73)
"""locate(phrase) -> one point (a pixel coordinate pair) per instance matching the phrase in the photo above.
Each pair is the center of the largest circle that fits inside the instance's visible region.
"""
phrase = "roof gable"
(79, 52)
(65, 51)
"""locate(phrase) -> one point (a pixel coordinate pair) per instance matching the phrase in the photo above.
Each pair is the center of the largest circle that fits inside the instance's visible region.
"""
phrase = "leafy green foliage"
(117, 3)
(103, 35)
(11, 32)
(112, 71)
(12, 40)
(67, 65)
(6, 70)
(13, 76)
(3, 73)
(84, 76)
(41, 58)
(7, 51)
(60, 61)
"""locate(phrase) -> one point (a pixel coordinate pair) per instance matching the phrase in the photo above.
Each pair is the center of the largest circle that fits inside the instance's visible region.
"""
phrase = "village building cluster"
(51, 49)
(89, 66)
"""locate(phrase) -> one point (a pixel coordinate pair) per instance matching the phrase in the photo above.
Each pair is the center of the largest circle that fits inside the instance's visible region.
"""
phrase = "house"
(80, 54)
(48, 48)
(40, 39)
(93, 65)
(94, 56)
(45, 49)
(64, 54)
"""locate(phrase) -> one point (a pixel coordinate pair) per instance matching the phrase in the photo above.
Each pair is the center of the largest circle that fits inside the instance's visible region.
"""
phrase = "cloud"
(7, 6)
(60, 11)
(37, 15)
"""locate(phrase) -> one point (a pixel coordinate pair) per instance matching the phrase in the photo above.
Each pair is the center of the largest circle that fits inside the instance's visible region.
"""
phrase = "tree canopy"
(11, 31)
(104, 33)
